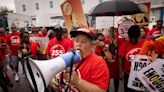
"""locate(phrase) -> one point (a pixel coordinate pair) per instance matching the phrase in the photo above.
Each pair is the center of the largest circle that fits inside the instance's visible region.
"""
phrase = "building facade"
(48, 12)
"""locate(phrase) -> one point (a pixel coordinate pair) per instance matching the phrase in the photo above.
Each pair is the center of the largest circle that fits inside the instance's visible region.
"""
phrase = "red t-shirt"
(14, 40)
(56, 48)
(3, 48)
(94, 70)
(128, 50)
(33, 48)
(155, 32)
(41, 35)
(1, 57)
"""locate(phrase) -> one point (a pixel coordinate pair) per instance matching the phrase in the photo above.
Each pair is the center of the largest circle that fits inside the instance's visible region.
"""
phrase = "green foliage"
(4, 10)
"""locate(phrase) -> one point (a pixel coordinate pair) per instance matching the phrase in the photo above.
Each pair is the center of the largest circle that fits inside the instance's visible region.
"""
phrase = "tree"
(3, 13)
(4, 10)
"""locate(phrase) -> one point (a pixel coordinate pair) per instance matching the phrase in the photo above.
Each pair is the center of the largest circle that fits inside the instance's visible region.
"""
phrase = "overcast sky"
(8, 3)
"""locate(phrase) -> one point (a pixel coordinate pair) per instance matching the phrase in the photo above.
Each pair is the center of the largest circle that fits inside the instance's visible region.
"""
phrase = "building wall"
(19, 19)
(44, 13)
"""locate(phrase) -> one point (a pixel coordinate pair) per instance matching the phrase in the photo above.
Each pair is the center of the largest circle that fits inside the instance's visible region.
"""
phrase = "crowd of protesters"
(104, 57)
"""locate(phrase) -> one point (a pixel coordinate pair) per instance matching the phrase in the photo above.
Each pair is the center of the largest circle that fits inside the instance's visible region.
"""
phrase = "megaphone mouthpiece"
(73, 55)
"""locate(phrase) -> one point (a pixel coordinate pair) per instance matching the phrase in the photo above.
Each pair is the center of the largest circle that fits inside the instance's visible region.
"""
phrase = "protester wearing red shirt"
(2, 47)
(102, 49)
(91, 74)
(27, 47)
(65, 35)
(34, 32)
(58, 45)
(157, 31)
(3, 82)
(2, 42)
(113, 63)
(127, 52)
(43, 33)
(13, 41)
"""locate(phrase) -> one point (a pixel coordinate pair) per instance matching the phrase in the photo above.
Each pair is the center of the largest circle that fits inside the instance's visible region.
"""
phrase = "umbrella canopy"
(115, 8)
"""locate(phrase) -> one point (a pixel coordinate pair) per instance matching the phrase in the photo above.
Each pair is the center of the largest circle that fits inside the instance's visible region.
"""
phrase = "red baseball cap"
(84, 31)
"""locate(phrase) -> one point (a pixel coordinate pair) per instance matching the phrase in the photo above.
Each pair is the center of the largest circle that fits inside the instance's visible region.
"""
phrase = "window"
(24, 7)
(100, 1)
(83, 1)
(51, 4)
(37, 6)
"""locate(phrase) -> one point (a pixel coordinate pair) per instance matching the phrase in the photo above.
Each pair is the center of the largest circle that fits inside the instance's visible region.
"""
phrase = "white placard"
(152, 76)
(139, 62)
(104, 22)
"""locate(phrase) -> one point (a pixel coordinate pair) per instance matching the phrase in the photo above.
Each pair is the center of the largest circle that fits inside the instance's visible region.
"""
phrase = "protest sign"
(142, 19)
(73, 14)
(124, 27)
(139, 62)
(42, 41)
(152, 76)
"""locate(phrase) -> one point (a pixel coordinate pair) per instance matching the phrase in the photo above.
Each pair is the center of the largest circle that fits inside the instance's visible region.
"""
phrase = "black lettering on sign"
(135, 66)
(149, 73)
(155, 79)
(139, 65)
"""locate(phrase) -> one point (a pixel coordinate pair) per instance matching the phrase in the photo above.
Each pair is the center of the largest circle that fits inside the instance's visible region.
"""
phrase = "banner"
(142, 19)
(152, 76)
(43, 42)
(73, 14)
(139, 62)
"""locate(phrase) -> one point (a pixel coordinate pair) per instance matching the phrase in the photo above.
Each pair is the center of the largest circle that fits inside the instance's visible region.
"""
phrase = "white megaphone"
(39, 73)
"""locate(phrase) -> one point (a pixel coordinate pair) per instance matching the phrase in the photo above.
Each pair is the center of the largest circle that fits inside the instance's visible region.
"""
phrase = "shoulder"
(96, 60)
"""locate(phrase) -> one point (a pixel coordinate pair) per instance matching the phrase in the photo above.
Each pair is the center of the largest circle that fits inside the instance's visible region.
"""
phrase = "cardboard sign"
(139, 62)
(152, 76)
(73, 14)
(142, 19)
(43, 42)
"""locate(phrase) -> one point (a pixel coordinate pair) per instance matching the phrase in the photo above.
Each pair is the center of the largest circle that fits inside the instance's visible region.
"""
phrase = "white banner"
(152, 76)
(139, 62)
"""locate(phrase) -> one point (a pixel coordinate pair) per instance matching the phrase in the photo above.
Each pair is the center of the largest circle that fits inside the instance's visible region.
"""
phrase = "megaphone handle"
(71, 68)
(71, 64)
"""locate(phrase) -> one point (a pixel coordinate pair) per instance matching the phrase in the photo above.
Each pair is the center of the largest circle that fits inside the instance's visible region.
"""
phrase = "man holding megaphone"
(88, 75)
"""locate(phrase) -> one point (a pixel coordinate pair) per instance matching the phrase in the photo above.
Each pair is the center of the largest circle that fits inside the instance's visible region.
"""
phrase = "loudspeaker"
(40, 72)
